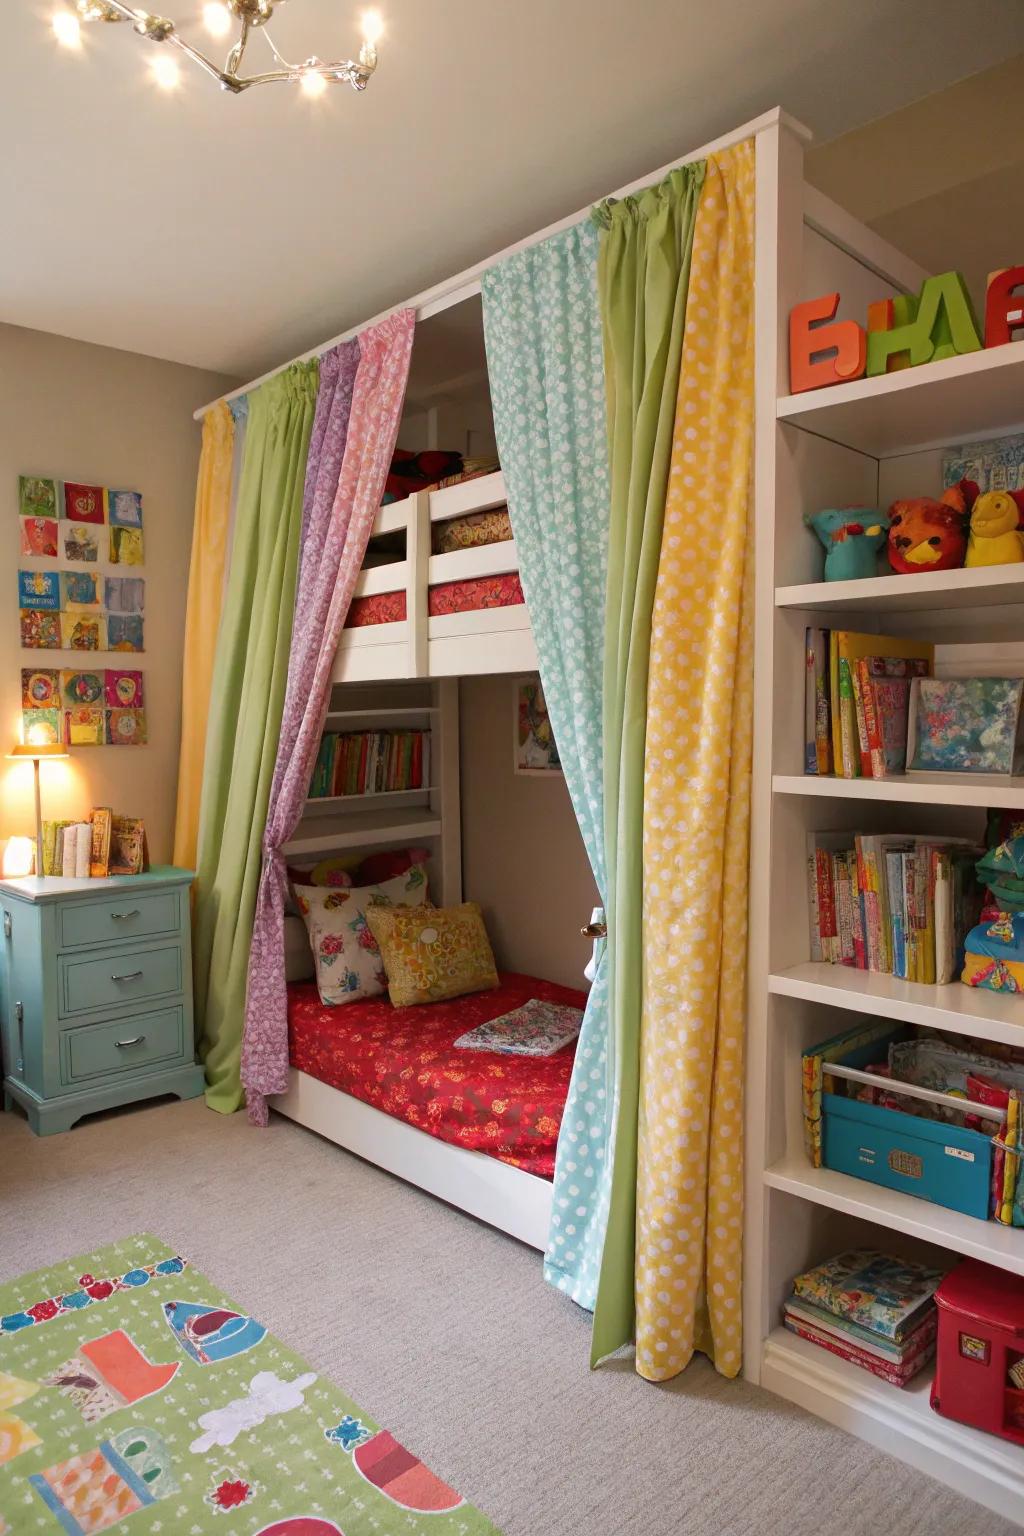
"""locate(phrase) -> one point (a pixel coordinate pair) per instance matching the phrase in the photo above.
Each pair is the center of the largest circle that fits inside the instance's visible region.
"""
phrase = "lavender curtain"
(359, 406)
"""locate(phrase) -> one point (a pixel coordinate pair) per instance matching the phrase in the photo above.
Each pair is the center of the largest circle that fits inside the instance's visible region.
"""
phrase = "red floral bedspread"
(446, 597)
(404, 1061)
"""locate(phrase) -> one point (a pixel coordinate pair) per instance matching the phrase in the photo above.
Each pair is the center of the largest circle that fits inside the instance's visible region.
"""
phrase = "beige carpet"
(444, 1331)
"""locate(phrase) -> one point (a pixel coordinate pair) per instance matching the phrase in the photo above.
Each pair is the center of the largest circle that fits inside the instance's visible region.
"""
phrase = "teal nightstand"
(96, 994)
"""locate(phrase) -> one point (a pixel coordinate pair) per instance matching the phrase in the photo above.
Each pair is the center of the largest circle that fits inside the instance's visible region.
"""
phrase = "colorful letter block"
(1004, 307)
(823, 350)
(940, 323)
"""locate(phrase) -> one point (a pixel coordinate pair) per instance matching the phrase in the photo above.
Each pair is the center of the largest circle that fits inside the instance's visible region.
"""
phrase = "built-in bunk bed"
(439, 597)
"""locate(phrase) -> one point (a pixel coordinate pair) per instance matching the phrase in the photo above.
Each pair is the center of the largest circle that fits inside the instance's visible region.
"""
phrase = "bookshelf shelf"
(933, 592)
(916, 408)
(375, 827)
(914, 789)
(332, 805)
(986, 1240)
(963, 1010)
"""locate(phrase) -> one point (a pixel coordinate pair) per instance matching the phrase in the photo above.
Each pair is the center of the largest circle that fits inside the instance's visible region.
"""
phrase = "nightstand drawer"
(98, 1050)
(127, 976)
(115, 918)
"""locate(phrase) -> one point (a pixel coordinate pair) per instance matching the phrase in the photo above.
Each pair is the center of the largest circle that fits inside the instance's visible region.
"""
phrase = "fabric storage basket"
(939, 1162)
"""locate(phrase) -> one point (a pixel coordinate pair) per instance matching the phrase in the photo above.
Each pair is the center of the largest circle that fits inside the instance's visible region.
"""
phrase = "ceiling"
(233, 232)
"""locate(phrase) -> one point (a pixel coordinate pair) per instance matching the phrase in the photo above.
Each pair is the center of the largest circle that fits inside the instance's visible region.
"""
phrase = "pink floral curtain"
(359, 406)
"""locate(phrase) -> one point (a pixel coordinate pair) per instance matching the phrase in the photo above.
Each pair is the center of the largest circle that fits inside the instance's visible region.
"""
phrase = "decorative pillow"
(348, 962)
(387, 864)
(471, 531)
(435, 954)
(298, 957)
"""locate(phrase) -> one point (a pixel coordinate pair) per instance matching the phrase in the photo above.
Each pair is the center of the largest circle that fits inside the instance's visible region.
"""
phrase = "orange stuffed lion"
(928, 535)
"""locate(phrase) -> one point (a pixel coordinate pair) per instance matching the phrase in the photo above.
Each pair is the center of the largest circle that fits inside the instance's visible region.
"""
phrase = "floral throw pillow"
(348, 960)
(435, 954)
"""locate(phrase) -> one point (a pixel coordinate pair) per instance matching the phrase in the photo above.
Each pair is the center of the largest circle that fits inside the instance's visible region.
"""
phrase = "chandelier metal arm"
(160, 29)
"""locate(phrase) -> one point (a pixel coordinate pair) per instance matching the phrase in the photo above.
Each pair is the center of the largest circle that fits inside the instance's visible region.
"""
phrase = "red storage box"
(981, 1337)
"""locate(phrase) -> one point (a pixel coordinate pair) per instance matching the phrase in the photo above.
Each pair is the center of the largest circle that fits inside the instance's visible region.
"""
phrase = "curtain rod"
(466, 284)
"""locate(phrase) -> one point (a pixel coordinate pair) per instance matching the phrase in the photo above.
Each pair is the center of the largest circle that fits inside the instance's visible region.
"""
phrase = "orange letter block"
(822, 353)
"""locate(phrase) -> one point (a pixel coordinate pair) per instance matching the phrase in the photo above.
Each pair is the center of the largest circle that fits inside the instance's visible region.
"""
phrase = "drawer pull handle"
(127, 976)
(135, 1040)
(119, 917)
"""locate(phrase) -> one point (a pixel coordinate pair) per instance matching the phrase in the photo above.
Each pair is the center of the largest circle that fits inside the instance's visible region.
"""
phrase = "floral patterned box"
(965, 725)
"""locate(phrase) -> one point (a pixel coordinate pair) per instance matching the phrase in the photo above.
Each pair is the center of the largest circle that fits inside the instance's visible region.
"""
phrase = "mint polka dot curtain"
(545, 359)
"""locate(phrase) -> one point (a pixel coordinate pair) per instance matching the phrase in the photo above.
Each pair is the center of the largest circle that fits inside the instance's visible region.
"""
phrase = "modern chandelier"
(219, 17)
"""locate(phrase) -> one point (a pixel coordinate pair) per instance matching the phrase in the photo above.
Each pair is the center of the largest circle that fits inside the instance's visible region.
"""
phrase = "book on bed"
(535, 1029)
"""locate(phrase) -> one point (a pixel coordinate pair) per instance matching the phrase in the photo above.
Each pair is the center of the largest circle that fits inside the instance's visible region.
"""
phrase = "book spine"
(872, 723)
(813, 909)
(823, 712)
(810, 704)
(844, 906)
(860, 718)
(827, 907)
(896, 1378)
(833, 694)
(848, 742)
(894, 874)
(69, 837)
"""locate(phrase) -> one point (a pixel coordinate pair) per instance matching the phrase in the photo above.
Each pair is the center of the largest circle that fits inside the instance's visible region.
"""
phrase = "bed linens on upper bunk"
(404, 1061)
(504, 591)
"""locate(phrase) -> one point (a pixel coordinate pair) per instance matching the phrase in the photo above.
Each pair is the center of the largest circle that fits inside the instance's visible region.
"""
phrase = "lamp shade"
(38, 749)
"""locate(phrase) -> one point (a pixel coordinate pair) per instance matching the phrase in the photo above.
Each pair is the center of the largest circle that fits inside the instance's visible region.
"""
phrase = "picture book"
(854, 1333)
(39, 589)
(886, 1295)
(99, 863)
(80, 543)
(846, 649)
(883, 687)
(128, 852)
(536, 1029)
(37, 497)
(39, 538)
(51, 833)
(966, 724)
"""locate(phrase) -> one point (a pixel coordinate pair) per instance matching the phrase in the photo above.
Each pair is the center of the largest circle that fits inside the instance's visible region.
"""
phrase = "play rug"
(134, 1396)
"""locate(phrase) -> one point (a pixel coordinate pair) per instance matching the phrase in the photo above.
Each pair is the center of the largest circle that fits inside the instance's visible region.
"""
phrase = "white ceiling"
(233, 232)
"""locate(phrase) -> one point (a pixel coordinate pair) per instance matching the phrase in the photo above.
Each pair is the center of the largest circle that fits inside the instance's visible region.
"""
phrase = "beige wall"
(81, 412)
(522, 855)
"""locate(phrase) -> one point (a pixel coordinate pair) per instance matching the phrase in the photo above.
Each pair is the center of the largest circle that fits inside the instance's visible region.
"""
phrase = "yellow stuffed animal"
(995, 537)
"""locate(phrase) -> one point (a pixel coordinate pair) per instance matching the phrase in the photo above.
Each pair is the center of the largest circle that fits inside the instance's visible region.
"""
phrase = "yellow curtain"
(202, 616)
(696, 815)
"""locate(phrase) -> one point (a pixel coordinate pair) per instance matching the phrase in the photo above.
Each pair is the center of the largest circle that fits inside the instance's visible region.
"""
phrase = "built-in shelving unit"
(865, 443)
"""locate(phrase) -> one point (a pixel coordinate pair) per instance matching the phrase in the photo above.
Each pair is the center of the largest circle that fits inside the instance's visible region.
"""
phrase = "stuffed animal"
(852, 537)
(928, 535)
(995, 537)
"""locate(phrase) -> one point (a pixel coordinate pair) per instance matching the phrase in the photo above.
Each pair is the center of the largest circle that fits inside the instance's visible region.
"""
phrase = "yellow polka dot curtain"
(682, 1270)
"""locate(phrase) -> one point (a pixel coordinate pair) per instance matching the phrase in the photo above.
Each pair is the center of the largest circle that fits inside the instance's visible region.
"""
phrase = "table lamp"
(36, 751)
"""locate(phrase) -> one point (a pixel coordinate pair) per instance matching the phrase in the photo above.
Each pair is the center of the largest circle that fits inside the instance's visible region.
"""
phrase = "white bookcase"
(430, 815)
(867, 442)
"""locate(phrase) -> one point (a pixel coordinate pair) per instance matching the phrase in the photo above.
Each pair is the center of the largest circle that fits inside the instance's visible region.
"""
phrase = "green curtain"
(643, 277)
(246, 704)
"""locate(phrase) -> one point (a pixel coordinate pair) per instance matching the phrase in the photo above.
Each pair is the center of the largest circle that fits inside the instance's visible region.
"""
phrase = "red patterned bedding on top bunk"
(503, 591)
(404, 1062)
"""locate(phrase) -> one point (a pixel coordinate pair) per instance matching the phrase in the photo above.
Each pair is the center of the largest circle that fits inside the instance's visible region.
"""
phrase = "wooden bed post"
(417, 564)
(445, 798)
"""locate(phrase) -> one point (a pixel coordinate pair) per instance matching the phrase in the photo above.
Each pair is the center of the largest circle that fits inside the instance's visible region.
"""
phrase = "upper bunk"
(439, 593)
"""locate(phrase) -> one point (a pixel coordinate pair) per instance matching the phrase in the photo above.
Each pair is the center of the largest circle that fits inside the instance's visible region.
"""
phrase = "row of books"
(876, 1311)
(104, 845)
(856, 701)
(371, 763)
(901, 905)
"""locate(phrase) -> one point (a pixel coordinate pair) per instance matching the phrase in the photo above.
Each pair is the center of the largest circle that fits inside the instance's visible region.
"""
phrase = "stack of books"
(856, 701)
(371, 763)
(900, 905)
(876, 1311)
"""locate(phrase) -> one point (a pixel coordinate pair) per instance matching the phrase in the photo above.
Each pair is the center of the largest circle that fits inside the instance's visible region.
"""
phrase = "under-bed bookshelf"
(863, 443)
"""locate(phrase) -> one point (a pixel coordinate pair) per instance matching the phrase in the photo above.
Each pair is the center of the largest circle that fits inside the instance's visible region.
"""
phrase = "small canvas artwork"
(79, 589)
(535, 748)
(125, 509)
(80, 544)
(124, 594)
(125, 632)
(124, 690)
(41, 727)
(84, 503)
(994, 466)
(82, 632)
(126, 727)
(40, 688)
(37, 497)
(966, 724)
(126, 546)
(85, 726)
(81, 688)
(40, 631)
(39, 538)
(39, 589)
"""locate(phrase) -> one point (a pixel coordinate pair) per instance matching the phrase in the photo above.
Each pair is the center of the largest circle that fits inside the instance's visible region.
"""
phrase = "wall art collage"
(74, 596)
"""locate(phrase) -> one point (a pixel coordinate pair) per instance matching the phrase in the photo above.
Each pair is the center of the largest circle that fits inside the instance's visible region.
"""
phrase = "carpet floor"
(446, 1333)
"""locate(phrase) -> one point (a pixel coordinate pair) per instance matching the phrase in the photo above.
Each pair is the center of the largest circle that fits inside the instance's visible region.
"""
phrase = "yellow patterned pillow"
(430, 955)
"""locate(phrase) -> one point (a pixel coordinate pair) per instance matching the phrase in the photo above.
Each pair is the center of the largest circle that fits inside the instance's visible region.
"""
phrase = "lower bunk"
(477, 1128)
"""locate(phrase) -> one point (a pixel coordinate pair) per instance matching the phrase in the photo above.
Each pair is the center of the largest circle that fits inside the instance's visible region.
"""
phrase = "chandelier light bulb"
(313, 84)
(165, 72)
(373, 27)
(66, 29)
(216, 18)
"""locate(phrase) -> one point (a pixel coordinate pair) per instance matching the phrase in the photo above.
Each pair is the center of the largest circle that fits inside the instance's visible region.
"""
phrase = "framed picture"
(534, 741)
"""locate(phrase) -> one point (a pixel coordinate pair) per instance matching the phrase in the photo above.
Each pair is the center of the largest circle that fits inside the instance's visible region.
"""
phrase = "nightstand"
(96, 994)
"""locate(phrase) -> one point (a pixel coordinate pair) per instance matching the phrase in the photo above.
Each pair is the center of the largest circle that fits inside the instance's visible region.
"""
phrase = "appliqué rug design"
(135, 1397)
